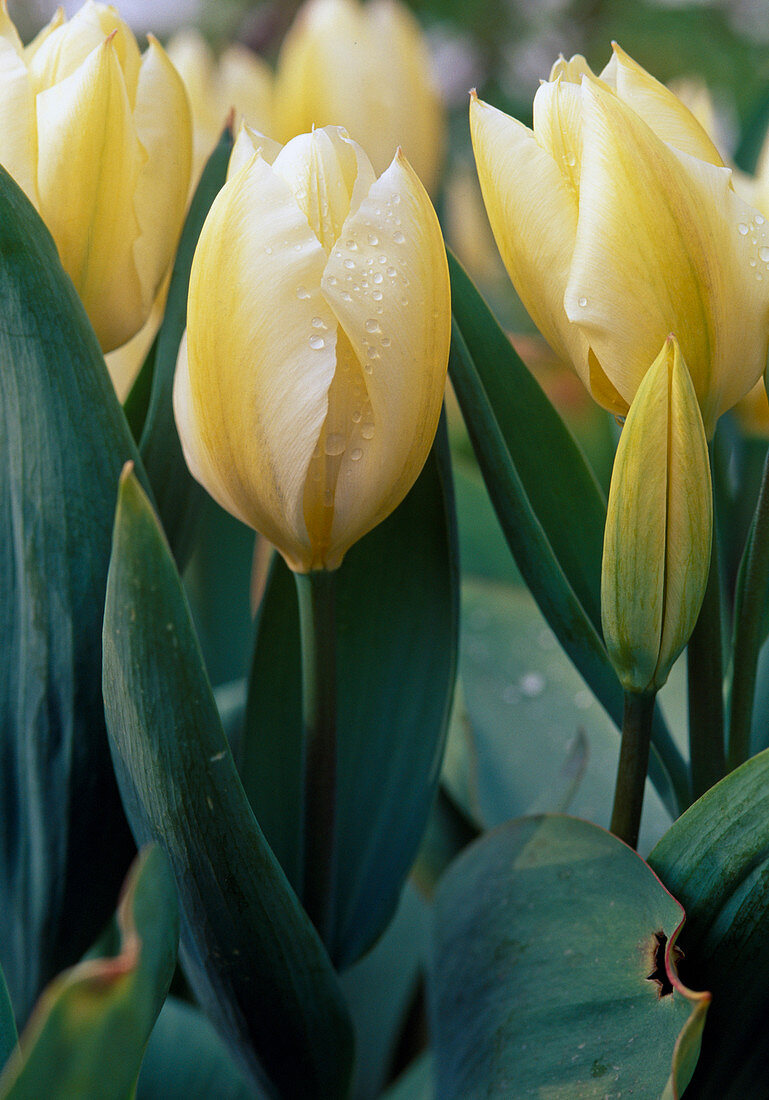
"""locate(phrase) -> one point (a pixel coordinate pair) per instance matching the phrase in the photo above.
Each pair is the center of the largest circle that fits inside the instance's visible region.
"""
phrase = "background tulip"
(618, 223)
(98, 135)
(367, 68)
(659, 523)
(308, 393)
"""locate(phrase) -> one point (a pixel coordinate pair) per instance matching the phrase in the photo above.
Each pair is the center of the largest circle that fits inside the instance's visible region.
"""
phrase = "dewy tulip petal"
(535, 225)
(658, 248)
(318, 332)
(18, 146)
(656, 553)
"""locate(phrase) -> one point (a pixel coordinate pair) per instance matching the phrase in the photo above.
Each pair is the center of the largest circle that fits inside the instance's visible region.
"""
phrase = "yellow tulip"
(239, 81)
(367, 68)
(656, 551)
(98, 135)
(309, 386)
(618, 223)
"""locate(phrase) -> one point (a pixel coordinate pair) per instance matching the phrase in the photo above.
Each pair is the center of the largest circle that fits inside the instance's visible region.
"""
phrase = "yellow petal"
(328, 175)
(532, 209)
(664, 245)
(245, 83)
(558, 126)
(572, 70)
(89, 159)
(659, 107)
(18, 133)
(261, 349)
(656, 552)
(387, 282)
(164, 127)
(53, 24)
(248, 143)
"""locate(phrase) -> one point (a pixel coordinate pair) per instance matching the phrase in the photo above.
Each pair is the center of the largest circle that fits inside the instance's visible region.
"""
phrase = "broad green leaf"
(8, 1034)
(535, 738)
(186, 1060)
(87, 1034)
(753, 134)
(397, 609)
(248, 949)
(64, 845)
(554, 970)
(179, 497)
(415, 1083)
(715, 859)
(548, 503)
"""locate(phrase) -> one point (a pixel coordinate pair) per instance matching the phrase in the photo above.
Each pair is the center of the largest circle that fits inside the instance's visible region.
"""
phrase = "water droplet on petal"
(376, 295)
(356, 415)
(398, 237)
(372, 325)
(759, 220)
(318, 322)
(332, 280)
(763, 253)
(356, 454)
(386, 341)
(743, 229)
(582, 301)
(352, 245)
(378, 277)
(349, 264)
(317, 342)
(268, 250)
(367, 431)
(373, 240)
(302, 292)
(335, 443)
(392, 272)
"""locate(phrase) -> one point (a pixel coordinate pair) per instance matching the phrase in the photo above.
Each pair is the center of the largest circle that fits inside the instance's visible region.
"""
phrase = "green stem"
(316, 592)
(747, 628)
(633, 765)
(706, 691)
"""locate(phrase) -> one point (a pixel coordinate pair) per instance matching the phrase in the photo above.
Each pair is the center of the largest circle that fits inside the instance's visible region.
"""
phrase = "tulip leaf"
(548, 504)
(64, 844)
(8, 1034)
(554, 970)
(248, 949)
(715, 859)
(87, 1034)
(179, 497)
(186, 1060)
(397, 611)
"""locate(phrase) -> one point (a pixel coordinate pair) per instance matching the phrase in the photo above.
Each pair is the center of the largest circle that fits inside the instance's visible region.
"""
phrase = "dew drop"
(582, 301)
(317, 342)
(332, 280)
(367, 431)
(763, 253)
(356, 415)
(318, 322)
(386, 341)
(376, 295)
(752, 263)
(349, 264)
(297, 248)
(759, 220)
(383, 259)
(372, 325)
(335, 444)
(346, 297)
(352, 245)
(398, 237)
(396, 199)
(392, 272)
(371, 352)
(743, 229)
(356, 454)
(378, 277)
(302, 292)
(759, 278)
(367, 367)
(268, 250)
(373, 240)
(570, 159)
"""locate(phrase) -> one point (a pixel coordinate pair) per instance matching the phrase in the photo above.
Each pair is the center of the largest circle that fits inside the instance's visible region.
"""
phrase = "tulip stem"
(316, 593)
(749, 614)
(704, 665)
(633, 765)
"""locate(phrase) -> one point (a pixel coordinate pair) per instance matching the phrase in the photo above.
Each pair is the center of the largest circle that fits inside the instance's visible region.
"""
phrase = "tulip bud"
(308, 390)
(367, 68)
(656, 551)
(98, 135)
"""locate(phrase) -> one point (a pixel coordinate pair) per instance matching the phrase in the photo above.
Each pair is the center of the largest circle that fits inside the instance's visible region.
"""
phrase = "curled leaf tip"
(127, 470)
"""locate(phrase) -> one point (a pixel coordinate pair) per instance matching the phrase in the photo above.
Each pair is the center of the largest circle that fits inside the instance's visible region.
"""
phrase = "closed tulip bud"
(656, 551)
(309, 386)
(99, 137)
(619, 223)
(367, 68)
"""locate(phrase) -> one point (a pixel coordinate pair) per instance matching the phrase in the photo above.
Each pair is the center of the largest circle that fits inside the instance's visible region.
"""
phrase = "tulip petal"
(558, 126)
(163, 181)
(663, 245)
(532, 209)
(53, 24)
(387, 282)
(18, 134)
(260, 366)
(659, 107)
(89, 152)
(247, 143)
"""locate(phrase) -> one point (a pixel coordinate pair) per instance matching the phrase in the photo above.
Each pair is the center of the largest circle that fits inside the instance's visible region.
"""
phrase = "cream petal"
(18, 133)
(247, 143)
(572, 70)
(164, 128)
(244, 81)
(89, 159)
(661, 109)
(326, 173)
(387, 282)
(533, 214)
(54, 23)
(558, 126)
(665, 245)
(261, 348)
